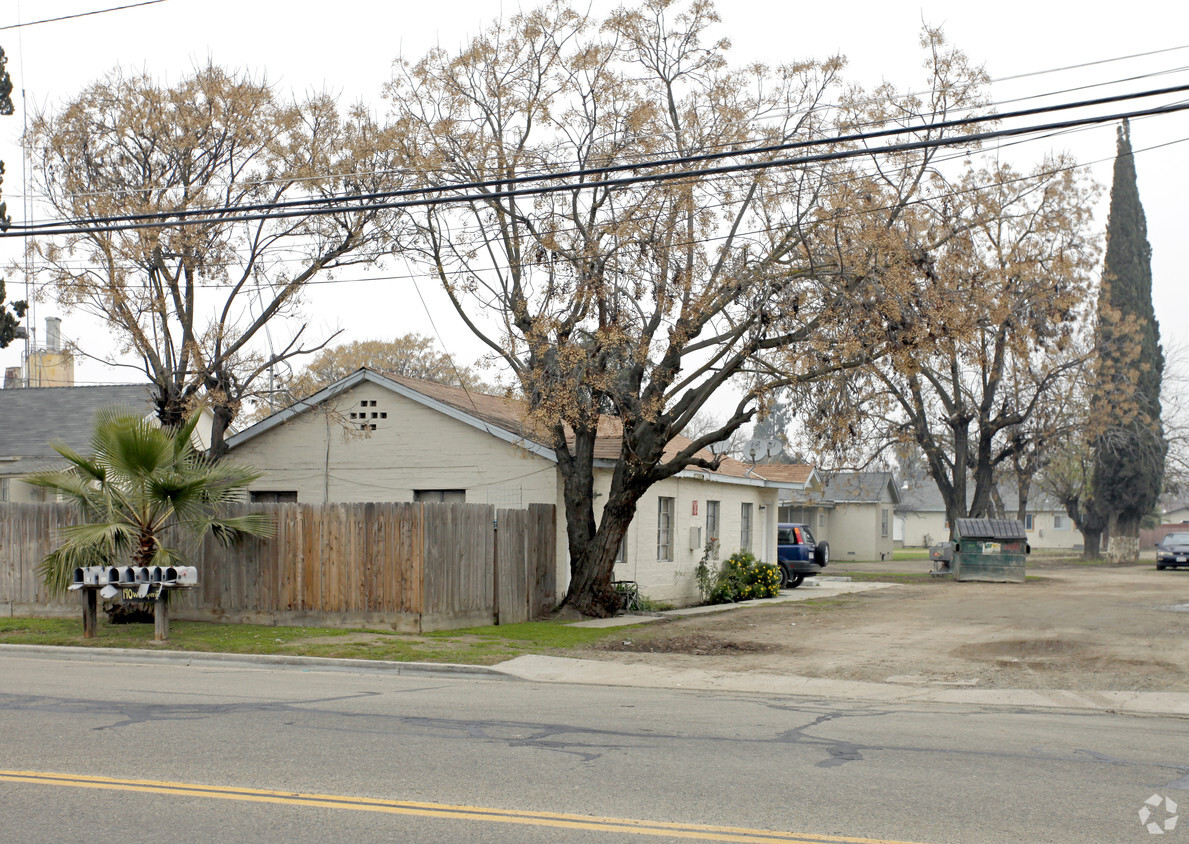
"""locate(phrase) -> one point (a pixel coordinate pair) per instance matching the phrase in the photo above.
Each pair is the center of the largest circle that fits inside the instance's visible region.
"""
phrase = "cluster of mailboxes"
(145, 579)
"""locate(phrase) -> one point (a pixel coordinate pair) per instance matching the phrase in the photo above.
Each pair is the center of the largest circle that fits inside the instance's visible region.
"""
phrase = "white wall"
(855, 531)
(673, 581)
(922, 529)
(320, 457)
(1042, 534)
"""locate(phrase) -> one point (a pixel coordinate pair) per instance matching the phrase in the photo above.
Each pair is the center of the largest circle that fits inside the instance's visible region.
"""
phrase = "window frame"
(426, 496)
(713, 525)
(745, 525)
(665, 506)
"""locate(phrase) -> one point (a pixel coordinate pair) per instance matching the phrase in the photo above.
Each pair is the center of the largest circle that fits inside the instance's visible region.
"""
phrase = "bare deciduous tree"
(625, 307)
(190, 300)
(1003, 276)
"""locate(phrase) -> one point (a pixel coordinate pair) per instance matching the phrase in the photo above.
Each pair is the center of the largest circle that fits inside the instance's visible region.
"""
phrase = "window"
(745, 527)
(884, 518)
(442, 496)
(4, 489)
(621, 553)
(1027, 521)
(273, 496)
(821, 520)
(1060, 522)
(664, 528)
(712, 527)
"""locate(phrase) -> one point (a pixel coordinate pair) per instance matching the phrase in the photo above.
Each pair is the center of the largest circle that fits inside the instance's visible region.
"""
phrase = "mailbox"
(187, 576)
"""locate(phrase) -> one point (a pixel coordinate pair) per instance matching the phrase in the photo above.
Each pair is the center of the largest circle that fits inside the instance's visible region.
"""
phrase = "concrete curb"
(550, 669)
(201, 658)
(536, 668)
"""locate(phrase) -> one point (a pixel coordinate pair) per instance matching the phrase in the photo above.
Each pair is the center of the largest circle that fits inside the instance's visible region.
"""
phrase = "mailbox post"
(152, 584)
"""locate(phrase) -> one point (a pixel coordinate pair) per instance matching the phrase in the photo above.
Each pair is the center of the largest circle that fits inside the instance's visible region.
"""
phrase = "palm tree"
(142, 483)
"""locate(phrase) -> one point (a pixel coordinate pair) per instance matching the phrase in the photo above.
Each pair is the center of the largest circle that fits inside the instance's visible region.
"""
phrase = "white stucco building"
(374, 437)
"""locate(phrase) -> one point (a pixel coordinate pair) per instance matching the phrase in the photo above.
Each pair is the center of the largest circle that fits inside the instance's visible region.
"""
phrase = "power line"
(314, 205)
(17, 230)
(81, 15)
(1090, 63)
(644, 161)
(85, 268)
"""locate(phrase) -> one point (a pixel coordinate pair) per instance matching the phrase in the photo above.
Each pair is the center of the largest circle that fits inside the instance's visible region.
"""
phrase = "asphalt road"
(127, 752)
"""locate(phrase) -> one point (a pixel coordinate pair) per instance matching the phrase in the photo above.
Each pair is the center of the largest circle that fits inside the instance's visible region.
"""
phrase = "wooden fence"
(406, 567)
(1148, 537)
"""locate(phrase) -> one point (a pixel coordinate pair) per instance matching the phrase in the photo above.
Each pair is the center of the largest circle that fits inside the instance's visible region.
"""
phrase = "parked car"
(798, 555)
(1172, 551)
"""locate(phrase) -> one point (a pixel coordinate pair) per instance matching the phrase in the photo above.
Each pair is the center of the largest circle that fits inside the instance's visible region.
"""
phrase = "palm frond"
(144, 482)
(232, 528)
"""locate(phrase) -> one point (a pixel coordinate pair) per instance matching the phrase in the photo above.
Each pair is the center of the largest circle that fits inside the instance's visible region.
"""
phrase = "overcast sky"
(347, 47)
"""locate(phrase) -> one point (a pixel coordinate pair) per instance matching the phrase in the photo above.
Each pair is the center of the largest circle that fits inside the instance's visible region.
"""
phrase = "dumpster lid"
(989, 529)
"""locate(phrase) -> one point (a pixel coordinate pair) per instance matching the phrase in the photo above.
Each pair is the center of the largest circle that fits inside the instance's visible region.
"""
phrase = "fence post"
(495, 570)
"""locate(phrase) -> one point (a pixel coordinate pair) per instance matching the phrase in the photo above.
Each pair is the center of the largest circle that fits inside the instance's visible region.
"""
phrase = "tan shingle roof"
(509, 413)
(786, 473)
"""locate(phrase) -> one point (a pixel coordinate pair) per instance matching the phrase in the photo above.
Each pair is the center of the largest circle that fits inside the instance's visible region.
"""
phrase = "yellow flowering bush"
(742, 578)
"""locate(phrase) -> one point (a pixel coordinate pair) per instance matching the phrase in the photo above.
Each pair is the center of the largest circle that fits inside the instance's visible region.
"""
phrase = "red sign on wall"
(695, 508)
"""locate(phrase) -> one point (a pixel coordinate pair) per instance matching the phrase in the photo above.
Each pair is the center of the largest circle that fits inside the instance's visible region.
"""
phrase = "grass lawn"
(472, 646)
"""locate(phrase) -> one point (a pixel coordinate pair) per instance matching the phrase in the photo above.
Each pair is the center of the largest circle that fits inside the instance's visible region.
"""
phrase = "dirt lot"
(1072, 627)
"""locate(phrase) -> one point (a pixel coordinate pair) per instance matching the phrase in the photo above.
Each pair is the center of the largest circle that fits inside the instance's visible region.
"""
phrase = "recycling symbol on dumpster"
(1151, 808)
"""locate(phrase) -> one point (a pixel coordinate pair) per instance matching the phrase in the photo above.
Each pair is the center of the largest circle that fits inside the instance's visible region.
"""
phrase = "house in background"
(1175, 513)
(923, 522)
(376, 437)
(35, 417)
(853, 511)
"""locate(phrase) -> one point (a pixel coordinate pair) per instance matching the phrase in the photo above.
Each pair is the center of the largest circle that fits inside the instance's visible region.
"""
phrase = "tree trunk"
(1093, 543)
(223, 416)
(594, 547)
(1124, 543)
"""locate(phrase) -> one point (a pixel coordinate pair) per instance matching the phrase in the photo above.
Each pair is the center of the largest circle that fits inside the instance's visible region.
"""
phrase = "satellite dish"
(755, 449)
(773, 446)
(719, 448)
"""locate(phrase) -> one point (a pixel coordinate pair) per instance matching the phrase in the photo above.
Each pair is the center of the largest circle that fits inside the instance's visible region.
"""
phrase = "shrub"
(741, 578)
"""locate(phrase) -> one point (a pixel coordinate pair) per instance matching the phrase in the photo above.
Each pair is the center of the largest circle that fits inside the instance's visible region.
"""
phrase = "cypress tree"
(9, 319)
(1127, 434)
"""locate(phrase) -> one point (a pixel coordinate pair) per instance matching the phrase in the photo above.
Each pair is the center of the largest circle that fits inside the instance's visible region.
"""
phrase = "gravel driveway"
(1069, 627)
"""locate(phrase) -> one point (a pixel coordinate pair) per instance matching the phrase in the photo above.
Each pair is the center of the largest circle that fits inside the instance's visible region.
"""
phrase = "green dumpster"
(990, 550)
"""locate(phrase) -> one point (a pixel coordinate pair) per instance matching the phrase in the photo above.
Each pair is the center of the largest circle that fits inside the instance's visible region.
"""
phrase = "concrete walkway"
(813, 587)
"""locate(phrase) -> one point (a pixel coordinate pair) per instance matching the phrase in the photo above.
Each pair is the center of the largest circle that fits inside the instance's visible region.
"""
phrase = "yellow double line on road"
(698, 832)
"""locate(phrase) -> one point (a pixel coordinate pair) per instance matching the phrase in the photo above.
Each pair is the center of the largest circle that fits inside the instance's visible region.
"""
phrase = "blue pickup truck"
(798, 555)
